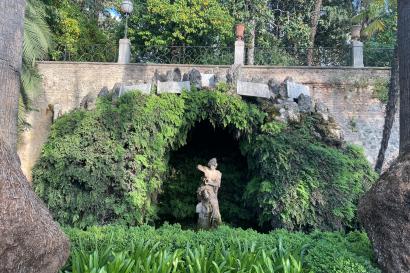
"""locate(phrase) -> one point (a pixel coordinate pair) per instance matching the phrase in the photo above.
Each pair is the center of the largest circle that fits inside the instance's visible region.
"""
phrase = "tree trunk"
(385, 210)
(404, 57)
(30, 242)
(251, 48)
(391, 109)
(313, 30)
(11, 39)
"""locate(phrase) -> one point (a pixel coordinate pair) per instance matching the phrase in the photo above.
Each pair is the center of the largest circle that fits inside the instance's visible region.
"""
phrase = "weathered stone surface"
(294, 90)
(104, 92)
(288, 111)
(144, 88)
(385, 213)
(251, 89)
(88, 102)
(305, 104)
(239, 58)
(174, 75)
(194, 77)
(57, 111)
(234, 74)
(208, 80)
(173, 87)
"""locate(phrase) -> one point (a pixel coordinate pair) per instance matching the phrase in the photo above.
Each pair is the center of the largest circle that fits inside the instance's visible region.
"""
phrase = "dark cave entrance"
(178, 200)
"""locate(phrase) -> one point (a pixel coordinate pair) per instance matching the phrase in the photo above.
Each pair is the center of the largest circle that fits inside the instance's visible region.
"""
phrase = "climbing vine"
(111, 164)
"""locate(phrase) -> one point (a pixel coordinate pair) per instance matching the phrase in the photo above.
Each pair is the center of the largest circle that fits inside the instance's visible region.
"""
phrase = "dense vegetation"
(279, 30)
(233, 250)
(111, 165)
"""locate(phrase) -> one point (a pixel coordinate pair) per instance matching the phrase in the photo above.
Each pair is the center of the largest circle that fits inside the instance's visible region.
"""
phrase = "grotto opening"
(178, 199)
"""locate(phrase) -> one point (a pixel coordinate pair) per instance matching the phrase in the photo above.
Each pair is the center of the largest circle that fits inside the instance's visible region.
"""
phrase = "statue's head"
(213, 163)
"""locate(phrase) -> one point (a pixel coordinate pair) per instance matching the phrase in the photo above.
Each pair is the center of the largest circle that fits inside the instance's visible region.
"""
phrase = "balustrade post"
(357, 47)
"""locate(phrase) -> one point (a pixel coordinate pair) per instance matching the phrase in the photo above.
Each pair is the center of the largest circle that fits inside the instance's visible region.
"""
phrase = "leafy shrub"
(301, 183)
(231, 249)
(110, 165)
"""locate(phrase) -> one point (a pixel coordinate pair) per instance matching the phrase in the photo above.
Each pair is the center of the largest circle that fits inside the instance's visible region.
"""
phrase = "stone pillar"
(124, 52)
(239, 52)
(357, 54)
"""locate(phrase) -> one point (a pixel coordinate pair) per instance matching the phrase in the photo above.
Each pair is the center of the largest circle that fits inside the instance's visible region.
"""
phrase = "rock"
(194, 77)
(294, 90)
(289, 112)
(234, 74)
(385, 214)
(117, 89)
(173, 87)
(104, 92)
(57, 111)
(144, 88)
(174, 75)
(158, 77)
(220, 77)
(322, 110)
(88, 102)
(208, 80)
(274, 87)
(260, 90)
(305, 104)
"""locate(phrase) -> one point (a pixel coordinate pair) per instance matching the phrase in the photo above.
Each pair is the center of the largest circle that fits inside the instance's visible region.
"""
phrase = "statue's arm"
(201, 168)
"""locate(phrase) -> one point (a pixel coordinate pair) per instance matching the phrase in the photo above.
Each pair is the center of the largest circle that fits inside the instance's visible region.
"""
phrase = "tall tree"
(391, 110)
(313, 31)
(404, 67)
(384, 210)
(29, 239)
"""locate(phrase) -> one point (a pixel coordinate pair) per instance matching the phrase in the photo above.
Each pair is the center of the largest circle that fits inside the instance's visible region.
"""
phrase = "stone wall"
(346, 91)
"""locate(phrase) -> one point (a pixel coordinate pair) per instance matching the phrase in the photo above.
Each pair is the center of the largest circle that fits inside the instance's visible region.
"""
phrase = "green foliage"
(78, 34)
(108, 165)
(181, 22)
(300, 183)
(36, 45)
(116, 164)
(381, 90)
(234, 250)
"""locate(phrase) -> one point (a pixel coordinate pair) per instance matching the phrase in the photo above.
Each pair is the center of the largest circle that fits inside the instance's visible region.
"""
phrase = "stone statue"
(208, 207)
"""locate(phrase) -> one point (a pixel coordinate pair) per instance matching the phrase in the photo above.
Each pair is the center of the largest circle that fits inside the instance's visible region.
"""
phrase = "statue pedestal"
(124, 52)
(357, 54)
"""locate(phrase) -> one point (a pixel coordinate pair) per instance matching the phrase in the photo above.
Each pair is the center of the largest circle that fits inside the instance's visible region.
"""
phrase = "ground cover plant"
(170, 249)
(112, 165)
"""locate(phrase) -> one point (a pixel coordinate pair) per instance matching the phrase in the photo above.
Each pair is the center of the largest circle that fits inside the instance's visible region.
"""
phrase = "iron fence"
(212, 55)
(321, 56)
(88, 53)
(220, 55)
(378, 57)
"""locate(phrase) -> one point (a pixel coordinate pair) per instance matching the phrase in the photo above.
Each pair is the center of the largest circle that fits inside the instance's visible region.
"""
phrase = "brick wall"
(347, 92)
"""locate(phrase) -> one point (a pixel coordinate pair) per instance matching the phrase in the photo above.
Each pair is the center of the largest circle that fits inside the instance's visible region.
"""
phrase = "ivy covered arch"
(109, 165)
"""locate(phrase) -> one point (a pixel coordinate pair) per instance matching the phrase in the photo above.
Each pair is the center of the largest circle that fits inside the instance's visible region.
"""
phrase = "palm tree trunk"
(313, 31)
(11, 25)
(30, 241)
(404, 57)
(391, 109)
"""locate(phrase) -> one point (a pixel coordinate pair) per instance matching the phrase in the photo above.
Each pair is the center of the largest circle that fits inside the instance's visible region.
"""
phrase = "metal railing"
(321, 56)
(89, 53)
(212, 55)
(221, 55)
